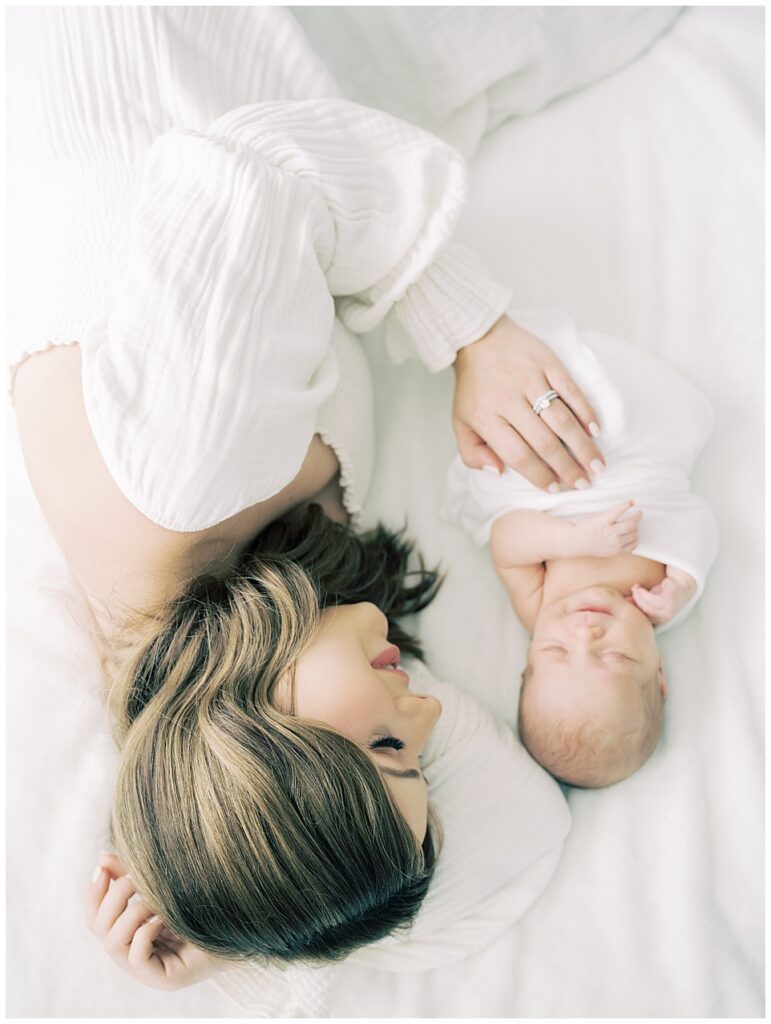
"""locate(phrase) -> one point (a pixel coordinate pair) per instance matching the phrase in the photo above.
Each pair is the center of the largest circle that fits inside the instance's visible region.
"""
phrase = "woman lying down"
(273, 796)
(199, 434)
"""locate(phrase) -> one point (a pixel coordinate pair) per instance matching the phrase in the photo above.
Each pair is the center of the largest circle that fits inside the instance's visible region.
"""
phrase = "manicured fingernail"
(553, 488)
(153, 919)
(492, 470)
(594, 429)
(582, 484)
(597, 467)
(96, 875)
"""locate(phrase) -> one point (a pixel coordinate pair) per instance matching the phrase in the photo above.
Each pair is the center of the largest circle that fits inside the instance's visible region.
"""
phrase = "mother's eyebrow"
(406, 773)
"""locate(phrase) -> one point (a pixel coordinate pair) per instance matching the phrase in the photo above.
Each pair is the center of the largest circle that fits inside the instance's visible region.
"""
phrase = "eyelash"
(618, 654)
(388, 741)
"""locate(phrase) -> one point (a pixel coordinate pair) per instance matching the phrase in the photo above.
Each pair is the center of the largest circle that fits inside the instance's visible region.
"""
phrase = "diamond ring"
(544, 401)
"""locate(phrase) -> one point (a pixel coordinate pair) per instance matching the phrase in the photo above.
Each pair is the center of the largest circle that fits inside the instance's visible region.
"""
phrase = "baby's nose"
(590, 632)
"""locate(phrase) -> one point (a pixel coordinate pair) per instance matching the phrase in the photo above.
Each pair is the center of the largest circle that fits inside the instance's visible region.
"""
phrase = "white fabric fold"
(195, 240)
(204, 383)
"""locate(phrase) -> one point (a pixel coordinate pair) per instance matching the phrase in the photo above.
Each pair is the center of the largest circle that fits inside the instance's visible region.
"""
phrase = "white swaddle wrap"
(654, 423)
(503, 820)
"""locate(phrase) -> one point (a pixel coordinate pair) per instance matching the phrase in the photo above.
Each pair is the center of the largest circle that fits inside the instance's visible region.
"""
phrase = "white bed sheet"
(636, 206)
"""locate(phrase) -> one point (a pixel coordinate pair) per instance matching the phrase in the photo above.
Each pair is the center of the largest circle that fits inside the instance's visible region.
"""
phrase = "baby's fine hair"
(584, 751)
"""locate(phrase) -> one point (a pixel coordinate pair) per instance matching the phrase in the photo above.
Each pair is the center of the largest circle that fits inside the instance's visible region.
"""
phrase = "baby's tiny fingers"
(625, 532)
(615, 513)
(644, 597)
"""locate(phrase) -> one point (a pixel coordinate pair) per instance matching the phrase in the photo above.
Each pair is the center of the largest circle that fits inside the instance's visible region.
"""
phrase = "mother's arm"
(208, 376)
(124, 561)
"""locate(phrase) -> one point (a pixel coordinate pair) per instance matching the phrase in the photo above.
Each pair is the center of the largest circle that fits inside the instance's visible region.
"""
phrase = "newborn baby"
(594, 573)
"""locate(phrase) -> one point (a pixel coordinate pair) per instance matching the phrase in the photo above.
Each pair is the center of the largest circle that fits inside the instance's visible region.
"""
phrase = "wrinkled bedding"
(636, 207)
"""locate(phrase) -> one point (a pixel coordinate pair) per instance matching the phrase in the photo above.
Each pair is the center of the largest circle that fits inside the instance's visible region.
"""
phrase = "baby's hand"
(136, 940)
(662, 602)
(607, 534)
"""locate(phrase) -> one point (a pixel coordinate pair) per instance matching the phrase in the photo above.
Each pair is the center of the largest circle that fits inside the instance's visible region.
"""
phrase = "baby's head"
(592, 700)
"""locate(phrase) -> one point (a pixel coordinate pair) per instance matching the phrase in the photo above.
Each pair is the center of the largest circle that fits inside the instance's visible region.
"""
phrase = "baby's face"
(593, 648)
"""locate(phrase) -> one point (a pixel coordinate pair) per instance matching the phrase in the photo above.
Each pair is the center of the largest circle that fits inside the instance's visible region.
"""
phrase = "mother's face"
(347, 679)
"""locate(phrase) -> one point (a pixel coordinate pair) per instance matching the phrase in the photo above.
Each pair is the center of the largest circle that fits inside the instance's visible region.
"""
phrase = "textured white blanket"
(611, 204)
(637, 206)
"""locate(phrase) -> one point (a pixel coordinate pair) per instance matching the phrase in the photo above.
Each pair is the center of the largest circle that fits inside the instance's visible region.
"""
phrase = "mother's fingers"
(548, 446)
(113, 864)
(119, 937)
(96, 892)
(560, 380)
(113, 903)
(143, 958)
(586, 458)
(514, 450)
(473, 449)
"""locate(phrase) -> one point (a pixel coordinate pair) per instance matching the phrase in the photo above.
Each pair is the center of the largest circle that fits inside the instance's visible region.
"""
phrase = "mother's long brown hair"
(250, 831)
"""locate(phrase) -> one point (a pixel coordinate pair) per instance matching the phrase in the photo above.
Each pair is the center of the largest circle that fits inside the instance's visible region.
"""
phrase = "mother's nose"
(373, 614)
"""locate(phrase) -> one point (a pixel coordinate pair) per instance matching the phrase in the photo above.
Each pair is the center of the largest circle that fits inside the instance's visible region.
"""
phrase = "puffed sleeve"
(203, 383)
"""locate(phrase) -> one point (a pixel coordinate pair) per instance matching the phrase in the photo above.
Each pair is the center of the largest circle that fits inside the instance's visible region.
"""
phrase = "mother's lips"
(390, 656)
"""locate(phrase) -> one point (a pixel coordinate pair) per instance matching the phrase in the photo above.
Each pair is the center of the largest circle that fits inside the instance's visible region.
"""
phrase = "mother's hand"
(138, 941)
(498, 378)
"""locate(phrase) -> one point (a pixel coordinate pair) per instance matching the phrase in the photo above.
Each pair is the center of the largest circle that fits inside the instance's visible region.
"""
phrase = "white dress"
(212, 256)
(211, 230)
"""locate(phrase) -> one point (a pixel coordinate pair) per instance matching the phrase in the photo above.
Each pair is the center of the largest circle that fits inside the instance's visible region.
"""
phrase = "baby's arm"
(522, 541)
(528, 538)
(664, 601)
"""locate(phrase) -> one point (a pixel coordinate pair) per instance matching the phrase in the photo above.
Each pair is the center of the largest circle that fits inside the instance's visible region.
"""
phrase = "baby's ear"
(662, 681)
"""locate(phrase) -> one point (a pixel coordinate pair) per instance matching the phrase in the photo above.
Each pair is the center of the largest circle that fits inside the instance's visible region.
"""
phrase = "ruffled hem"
(350, 504)
(26, 354)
